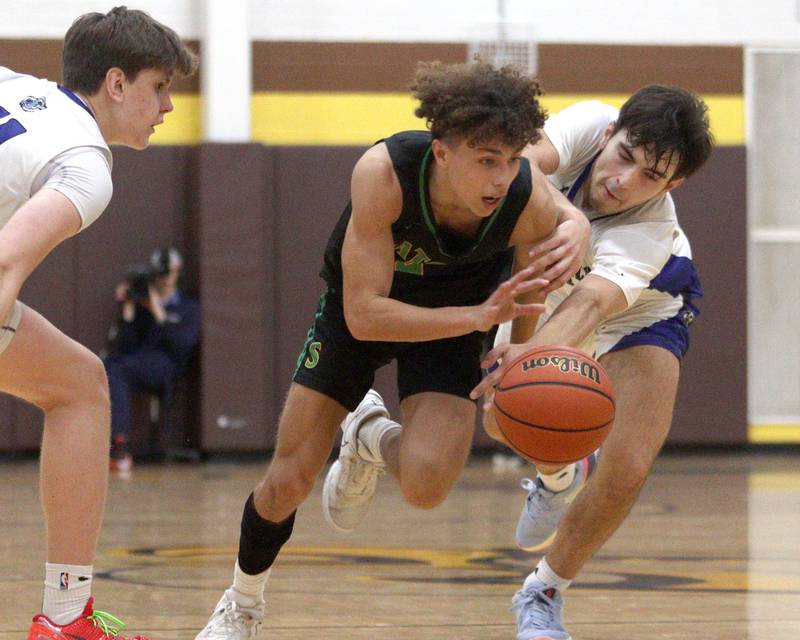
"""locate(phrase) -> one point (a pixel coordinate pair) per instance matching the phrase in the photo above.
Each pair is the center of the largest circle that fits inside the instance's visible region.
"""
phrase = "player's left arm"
(76, 190)
(41, 224)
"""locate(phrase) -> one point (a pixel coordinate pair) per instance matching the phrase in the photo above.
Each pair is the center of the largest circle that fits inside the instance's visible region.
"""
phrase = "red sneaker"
(120, 458)
(92, 625)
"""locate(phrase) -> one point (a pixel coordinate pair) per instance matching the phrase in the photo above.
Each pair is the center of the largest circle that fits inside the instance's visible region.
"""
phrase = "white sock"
(67, 589)
(247, 590)
(373, 431)
(543, 576)
(560, 480)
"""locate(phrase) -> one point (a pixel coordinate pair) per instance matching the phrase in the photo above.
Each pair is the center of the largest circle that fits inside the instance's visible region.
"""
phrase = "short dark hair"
(124, 38)
(480, 102)
(667, 121)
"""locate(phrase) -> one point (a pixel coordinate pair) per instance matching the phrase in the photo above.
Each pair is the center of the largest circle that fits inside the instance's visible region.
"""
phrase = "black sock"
(261, 540)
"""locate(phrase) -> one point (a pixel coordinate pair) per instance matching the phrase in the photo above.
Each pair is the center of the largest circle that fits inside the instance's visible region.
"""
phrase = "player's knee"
(94, 383)
(423, 497)
(628, 477)
(288, 485)
(84, 382)
(425, 487)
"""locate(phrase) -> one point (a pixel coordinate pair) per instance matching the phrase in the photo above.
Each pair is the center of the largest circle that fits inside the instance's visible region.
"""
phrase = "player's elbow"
(357, 322)
(11, 278)
(599, 303)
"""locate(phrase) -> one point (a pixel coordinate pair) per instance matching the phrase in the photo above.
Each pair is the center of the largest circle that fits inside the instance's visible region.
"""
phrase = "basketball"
(554, 404)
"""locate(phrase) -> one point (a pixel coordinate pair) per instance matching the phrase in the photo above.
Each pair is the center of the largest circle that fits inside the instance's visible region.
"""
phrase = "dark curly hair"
(479, 102)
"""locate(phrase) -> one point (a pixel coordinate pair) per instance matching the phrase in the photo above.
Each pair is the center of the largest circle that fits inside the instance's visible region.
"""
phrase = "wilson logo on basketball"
(580, 367)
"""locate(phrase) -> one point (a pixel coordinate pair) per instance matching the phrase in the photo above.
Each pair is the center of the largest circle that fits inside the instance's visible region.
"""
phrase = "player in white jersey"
(55, 180)
(630, 305)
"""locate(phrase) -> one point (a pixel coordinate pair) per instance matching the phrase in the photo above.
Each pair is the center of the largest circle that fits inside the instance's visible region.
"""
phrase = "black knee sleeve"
(261, 540)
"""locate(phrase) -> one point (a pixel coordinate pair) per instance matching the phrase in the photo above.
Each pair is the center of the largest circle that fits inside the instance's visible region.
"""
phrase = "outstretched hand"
(502, 306)
(496, 363)
(559, 257)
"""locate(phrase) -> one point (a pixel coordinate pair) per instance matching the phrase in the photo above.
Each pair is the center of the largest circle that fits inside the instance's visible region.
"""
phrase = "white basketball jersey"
(631, 248)
(38, 121)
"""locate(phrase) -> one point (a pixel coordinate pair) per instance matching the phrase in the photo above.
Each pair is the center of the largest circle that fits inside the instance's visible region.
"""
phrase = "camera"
(139, 278)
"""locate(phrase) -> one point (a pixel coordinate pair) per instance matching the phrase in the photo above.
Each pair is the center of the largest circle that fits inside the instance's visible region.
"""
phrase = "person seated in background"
(157, 333)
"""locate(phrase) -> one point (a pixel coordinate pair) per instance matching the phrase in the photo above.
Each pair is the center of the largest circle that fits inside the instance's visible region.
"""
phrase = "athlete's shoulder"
(375, 163)
(576, 134)
(375, 186)
(658, 209)
(7, 74)
(411, 137)
(586, 115)
(13, 84)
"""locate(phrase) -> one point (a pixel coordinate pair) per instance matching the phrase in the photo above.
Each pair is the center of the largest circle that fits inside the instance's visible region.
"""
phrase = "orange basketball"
(554, 404)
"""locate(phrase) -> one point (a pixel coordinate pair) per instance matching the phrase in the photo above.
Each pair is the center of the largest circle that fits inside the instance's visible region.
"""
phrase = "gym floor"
(711, 550)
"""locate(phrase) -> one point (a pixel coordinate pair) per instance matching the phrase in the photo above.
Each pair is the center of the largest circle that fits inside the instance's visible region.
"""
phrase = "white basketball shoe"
(231, 621)
(353, 478)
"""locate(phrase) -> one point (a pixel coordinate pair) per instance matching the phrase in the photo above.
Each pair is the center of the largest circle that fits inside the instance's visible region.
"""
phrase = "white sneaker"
(231, 621)
(353, 478)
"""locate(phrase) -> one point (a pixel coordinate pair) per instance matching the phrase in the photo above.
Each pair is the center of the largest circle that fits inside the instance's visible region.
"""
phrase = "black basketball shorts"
(333, 362)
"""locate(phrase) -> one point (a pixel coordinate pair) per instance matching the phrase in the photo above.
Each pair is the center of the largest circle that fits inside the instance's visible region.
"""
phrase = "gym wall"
(253, 219)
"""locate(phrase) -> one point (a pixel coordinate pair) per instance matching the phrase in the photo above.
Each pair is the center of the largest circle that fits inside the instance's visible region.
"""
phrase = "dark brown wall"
(389, 66)
(253, 222)
(238, 216)
(42, 58)
(263, 239)
(712, 399)
(563, 68)
(74, 286)
(309, 188)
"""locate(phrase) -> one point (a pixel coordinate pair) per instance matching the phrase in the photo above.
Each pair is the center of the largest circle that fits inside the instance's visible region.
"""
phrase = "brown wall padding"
(253, 222)
(311, 187)
(712, 398)
(236, 201)
(74, 286)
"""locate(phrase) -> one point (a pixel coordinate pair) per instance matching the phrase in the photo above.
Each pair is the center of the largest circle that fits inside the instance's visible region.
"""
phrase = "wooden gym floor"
(711, 550)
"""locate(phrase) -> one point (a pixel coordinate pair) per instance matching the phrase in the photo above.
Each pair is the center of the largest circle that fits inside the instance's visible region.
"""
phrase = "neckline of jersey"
(428, 217)
(72, 96)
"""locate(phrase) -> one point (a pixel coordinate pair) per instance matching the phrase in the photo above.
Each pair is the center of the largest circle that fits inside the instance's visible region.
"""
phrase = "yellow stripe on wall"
(361, 118)
(773, 433)
(184, 124)
(725, 112)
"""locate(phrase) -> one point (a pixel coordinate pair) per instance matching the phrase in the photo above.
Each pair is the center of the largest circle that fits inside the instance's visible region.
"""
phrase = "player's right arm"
(40, 225)
(368, 257)
(543, 155)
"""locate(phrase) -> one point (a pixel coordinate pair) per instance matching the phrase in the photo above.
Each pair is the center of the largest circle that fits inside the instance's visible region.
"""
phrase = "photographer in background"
(158, 330)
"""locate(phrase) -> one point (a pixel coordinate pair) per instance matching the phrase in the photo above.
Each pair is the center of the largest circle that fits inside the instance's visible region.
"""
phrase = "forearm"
(572, 322)
(387, 320)
(9, 290)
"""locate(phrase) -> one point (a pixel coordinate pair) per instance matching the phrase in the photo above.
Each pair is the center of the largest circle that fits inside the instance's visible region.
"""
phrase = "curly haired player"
(413, 272)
